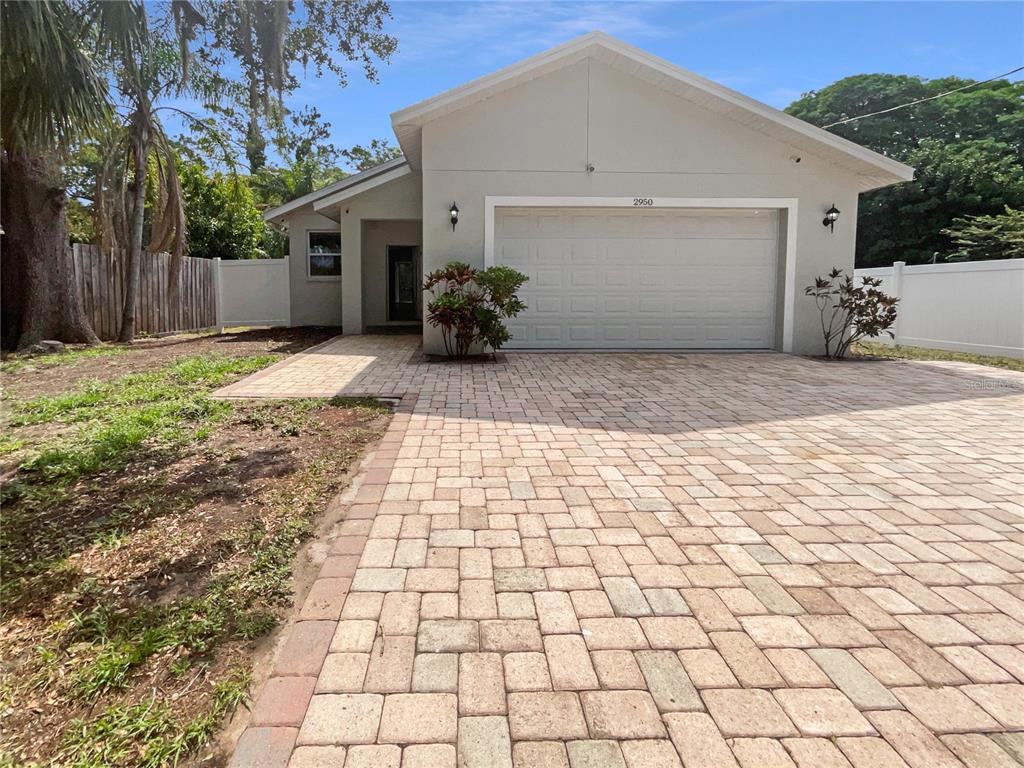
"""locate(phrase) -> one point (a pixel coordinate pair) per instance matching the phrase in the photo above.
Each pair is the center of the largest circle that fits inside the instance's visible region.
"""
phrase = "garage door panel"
(649, 333)
(583, 305)
(617, 278)
(513, 224)
(582, 279)
(551, 224)
(653, 277)
(752, 333)
(518, 330)
(653, 305)
(544, 332)
(719, 333)
(685, 334)
(618, 304)
(642, 279)
(618, 333)
(548, 278)
(551, 305)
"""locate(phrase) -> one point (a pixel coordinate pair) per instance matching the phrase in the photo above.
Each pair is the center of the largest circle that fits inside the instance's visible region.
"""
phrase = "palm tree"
(139, 156)
(70, 49)
(54, 95)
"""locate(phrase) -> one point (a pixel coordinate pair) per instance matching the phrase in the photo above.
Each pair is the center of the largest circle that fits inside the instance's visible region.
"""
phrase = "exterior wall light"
(454, 213)
(830, 218)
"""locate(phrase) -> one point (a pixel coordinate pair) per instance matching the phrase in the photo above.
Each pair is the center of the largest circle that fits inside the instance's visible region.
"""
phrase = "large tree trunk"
(134, 265)
(40, 299)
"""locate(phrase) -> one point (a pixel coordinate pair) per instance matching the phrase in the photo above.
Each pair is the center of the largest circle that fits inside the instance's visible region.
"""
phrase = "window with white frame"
(323, 255)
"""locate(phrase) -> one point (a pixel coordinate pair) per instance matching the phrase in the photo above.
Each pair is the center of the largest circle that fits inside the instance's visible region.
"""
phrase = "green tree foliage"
(982, 238)
(138, 156)
(364, 158)
(967, 147)
(310, 161)
(270, 40)
(906, 222)
(79, 176)
(220, 214)
(60, 59)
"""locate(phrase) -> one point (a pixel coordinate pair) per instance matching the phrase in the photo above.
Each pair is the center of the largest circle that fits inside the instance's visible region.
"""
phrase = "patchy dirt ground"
(33, 376)
(138, 595)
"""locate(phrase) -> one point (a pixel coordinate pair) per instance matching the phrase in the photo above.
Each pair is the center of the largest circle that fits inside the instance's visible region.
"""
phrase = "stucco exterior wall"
(341, 302)
(538, 138)
(313, 301)
(399, 199)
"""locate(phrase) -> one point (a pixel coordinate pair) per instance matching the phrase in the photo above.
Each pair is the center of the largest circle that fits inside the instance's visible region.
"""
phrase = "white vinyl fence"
(253, 292)
(975, 307)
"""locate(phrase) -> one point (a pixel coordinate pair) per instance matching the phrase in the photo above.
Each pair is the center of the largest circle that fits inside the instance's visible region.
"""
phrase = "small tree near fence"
(851, 312)
(471, 305)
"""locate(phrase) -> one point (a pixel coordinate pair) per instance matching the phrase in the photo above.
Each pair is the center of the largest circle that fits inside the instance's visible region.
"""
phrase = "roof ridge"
(407, 122)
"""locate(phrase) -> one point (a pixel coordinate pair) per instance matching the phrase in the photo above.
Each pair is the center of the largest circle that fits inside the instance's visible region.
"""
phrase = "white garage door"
(618, 278)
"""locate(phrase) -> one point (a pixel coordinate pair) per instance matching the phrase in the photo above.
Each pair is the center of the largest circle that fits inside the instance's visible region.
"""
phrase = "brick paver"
(661, 560)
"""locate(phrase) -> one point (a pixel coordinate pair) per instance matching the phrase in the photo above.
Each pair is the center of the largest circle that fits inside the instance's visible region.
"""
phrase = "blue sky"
(771, 51)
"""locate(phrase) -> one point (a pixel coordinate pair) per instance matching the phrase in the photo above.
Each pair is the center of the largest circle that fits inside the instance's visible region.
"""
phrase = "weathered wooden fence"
(101, 280)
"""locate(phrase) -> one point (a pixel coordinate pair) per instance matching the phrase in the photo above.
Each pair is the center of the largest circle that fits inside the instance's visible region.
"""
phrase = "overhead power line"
(921, 101)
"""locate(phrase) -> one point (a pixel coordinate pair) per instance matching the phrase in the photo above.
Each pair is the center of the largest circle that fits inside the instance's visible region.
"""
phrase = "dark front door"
(402, 282)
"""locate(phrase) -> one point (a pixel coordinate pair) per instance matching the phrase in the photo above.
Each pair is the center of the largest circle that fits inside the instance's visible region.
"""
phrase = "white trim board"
(352, 185)
(358, 189)
(787, 204)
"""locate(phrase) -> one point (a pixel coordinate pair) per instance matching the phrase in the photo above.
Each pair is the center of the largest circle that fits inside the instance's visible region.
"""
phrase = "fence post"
(218, 296)
(897, 290)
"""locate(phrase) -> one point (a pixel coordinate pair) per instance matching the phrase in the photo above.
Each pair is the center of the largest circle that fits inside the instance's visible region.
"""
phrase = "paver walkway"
(648, 561)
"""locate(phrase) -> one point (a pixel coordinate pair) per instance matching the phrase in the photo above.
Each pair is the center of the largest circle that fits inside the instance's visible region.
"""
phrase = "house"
(651, 209)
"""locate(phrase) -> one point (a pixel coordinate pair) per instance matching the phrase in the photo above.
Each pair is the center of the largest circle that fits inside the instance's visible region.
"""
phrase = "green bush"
(471, 305)
(851, 312)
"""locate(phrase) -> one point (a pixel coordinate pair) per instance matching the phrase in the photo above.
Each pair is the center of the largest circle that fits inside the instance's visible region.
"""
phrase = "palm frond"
(113, 177)
(54, 94)
(121, 29)
(168, 231)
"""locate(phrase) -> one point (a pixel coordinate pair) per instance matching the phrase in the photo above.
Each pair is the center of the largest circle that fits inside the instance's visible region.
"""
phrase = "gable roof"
(341, 190)
(873, 169)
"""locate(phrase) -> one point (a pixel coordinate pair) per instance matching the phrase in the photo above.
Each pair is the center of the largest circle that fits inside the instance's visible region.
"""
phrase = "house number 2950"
(643, 202)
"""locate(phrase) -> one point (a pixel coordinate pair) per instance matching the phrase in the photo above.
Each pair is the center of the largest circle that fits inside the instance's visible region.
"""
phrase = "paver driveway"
(654, 560)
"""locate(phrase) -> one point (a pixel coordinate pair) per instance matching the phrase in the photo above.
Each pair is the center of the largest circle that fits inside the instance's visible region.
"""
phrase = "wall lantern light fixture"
(454, 213)
(830, 218)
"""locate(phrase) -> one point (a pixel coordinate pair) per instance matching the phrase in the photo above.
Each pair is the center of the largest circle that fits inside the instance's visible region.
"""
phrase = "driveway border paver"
(288, 691)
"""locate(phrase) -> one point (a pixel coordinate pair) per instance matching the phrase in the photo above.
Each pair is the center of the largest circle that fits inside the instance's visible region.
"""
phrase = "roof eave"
(407, 123)
(349, 192)
(357, 180)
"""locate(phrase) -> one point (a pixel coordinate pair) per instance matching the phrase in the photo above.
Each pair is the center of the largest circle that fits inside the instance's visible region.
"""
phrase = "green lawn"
(14, 364)
(148, 539)
(164, 408)
(923, 353)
